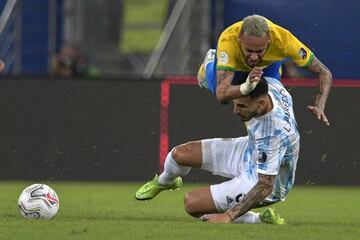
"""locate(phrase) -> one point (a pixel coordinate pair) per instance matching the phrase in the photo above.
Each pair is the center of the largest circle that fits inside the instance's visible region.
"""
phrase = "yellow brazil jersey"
(282, 45)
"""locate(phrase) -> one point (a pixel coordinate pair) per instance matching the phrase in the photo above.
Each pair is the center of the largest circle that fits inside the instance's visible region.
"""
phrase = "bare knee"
(188, 154)
(190, 205)
(199, 202)
(175, 154)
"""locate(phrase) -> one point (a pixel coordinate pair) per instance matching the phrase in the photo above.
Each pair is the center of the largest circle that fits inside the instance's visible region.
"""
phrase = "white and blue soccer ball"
(38, 201)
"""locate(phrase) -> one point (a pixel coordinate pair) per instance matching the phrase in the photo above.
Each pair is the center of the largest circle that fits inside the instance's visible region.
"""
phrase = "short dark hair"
(261, 89)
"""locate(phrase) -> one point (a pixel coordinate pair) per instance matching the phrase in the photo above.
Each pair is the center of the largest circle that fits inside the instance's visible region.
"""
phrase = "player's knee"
(190, 205)
(180, 153)
(175, 154)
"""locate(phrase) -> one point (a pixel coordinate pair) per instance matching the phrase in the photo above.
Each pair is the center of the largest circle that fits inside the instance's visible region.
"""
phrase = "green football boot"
(152, 188)
(270, 216)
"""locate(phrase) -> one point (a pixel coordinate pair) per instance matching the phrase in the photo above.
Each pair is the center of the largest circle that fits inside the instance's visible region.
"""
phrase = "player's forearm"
(224, 90)
(250, 201)
(324, 84)
(253, 198)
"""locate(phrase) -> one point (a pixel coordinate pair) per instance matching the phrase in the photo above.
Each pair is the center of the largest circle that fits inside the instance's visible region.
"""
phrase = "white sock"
(249, 218)
(172, 170)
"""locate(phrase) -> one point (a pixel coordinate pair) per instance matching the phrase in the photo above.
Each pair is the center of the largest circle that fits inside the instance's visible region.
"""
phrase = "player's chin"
(244, 118)
(252, 64)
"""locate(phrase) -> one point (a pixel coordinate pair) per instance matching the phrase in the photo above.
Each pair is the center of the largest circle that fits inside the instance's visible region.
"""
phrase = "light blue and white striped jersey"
(274, 141)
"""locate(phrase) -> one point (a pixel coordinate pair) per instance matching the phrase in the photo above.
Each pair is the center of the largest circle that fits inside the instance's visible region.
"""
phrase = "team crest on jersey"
(223, 58)
(262, 158)
(302, 53)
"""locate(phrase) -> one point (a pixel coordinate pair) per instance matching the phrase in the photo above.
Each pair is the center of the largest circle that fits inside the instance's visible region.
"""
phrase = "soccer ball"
(38, 201)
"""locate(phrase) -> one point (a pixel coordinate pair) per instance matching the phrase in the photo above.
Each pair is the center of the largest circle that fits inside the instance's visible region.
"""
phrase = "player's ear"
(261, 104)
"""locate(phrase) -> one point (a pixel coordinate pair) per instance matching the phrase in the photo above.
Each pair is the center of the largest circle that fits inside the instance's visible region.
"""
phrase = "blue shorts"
(272, 70)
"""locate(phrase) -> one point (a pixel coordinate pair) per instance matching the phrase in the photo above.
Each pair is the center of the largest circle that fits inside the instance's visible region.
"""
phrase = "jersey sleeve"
(225, 54)
(270, 153)
(298, 52)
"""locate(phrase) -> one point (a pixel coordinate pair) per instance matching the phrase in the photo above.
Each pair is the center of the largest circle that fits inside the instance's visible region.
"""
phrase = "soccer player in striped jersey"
(259, 47)
(261, 165)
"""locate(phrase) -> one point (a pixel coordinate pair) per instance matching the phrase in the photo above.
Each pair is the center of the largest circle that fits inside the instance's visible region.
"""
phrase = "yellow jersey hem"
(226, 68)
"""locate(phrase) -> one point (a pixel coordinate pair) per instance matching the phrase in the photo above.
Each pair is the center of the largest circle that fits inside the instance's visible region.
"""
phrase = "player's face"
(245, 108)
(253, 48)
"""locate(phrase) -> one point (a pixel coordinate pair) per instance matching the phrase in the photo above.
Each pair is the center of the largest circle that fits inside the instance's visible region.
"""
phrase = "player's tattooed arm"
(323, 90)
(325, 80)
(224, 90)
(254, 197)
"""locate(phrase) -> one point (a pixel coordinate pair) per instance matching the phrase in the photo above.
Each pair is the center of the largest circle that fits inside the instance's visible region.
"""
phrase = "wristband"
(247, 87)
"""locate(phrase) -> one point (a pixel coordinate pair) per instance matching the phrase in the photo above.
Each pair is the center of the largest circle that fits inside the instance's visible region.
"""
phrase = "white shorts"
(229, 157)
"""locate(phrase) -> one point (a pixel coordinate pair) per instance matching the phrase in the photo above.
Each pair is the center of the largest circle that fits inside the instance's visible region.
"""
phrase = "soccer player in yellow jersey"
(257, 47)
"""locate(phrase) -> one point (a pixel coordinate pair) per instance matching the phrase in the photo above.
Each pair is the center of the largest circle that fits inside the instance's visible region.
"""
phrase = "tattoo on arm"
(254, 197)
(325, 80)
(317, 66)
(224, 90)
(223, 76)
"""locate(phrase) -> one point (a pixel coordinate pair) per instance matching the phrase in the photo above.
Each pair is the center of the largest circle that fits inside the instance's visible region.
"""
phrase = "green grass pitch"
(90, 210)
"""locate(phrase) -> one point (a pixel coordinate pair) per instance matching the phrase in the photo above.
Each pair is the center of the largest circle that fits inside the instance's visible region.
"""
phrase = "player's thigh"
(188, 154)
(225, 156)
(199, 202)
(227, 194)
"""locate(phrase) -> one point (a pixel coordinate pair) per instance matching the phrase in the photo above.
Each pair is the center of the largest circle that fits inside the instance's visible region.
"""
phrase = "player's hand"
(216, 218)
(251, 81)
(255, 74)
(319, 114)
(2, 65)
